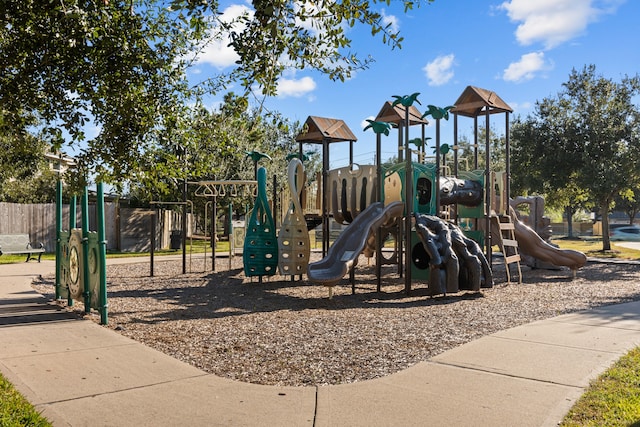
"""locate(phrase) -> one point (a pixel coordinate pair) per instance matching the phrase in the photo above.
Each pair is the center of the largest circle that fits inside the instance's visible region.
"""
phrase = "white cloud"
(520, 107)
(92, 131)
(553, 22)
(314, 26)
(390, 19)
(295, 87)
(364, 123)
(526, 68)
(217, 52)
(439, 71)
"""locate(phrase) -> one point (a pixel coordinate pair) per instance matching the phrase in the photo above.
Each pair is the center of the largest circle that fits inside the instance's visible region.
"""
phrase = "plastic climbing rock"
(456, 262)
(260, 255)
(293, 239)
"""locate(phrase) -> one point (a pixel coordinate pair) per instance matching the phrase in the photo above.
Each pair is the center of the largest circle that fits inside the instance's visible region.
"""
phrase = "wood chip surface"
(284, 332)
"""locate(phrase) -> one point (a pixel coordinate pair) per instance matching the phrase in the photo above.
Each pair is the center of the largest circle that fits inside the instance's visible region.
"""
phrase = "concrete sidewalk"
(81, 374)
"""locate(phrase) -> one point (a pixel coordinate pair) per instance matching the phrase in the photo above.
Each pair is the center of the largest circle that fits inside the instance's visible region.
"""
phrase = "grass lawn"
(593, 248)
(15, 410)
(613, 399)
(198, 247)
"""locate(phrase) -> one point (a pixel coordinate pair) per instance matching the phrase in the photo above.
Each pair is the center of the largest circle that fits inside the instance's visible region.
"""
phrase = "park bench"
(20, 244)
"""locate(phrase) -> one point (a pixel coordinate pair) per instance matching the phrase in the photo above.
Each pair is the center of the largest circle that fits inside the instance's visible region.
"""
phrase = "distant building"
(60, 162)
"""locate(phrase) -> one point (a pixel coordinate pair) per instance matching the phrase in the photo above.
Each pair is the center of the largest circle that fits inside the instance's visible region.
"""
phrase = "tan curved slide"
(344, 252)
(530, 243)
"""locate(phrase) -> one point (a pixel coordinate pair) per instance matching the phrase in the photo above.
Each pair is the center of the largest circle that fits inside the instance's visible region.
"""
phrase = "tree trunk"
(569, 212)
(604, 210)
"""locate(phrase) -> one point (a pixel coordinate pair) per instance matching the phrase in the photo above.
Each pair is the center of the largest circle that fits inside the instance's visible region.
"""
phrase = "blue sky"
(521, 49)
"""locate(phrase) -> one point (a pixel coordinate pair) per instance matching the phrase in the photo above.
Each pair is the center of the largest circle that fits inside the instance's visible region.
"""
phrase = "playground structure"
(293, 239)
(537, 221)
(220, 188)
(344, 253)
(439, 222)
(456, 262)
(473, 198)
(260, 254)
(426, 207)
(81, 256)
(325, 131)
(540, 252)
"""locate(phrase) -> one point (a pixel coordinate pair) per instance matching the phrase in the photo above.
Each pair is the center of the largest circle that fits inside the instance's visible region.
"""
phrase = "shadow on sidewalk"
(30, 310)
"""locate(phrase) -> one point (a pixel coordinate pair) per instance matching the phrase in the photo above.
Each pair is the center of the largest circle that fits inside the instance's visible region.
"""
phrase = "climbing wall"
(260, 254)
(293, 240)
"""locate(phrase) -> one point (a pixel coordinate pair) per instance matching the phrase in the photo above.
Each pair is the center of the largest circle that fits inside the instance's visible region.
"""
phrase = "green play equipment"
(379, 128)
(260, 254)
(255, 157)
(81, 256)
(472, 214)
(423, 179)
(407, 101)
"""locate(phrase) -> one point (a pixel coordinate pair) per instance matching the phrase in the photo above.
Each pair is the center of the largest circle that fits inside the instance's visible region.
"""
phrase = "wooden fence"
(126, 229)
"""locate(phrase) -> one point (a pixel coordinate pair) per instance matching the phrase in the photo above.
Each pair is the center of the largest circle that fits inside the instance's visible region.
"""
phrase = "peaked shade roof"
(322, 129)
(395, 114)
(476, 101)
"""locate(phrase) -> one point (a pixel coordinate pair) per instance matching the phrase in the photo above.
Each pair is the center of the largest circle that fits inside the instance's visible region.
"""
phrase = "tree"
(24, 172)
(585, 138)
(113, 63)
(21, 152)
(497, 153)
(497, 148)
(212, 145)
(629, 202)
(121, 64)
(465, 154)
(606, 120)
(38, 187)
(540, 155)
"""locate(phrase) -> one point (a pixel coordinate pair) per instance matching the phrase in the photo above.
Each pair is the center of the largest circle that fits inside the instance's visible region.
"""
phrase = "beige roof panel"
(476, 101)
(396, 114)
(322, 129)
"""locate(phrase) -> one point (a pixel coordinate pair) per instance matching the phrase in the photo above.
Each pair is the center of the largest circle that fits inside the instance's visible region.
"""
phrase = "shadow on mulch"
(227, 293)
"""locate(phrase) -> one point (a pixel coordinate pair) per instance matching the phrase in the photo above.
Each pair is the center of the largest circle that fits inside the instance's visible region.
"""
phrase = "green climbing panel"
(72, 266)
(64, 264)
(260, 254)
(472, 211)
(468, 216)
(424, 178)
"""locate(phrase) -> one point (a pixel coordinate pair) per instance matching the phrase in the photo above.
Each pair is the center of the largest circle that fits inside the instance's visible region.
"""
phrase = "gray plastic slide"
(343, 253)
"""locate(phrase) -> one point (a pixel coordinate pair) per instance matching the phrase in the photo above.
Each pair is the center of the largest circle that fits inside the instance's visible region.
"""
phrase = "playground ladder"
(508, 244)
